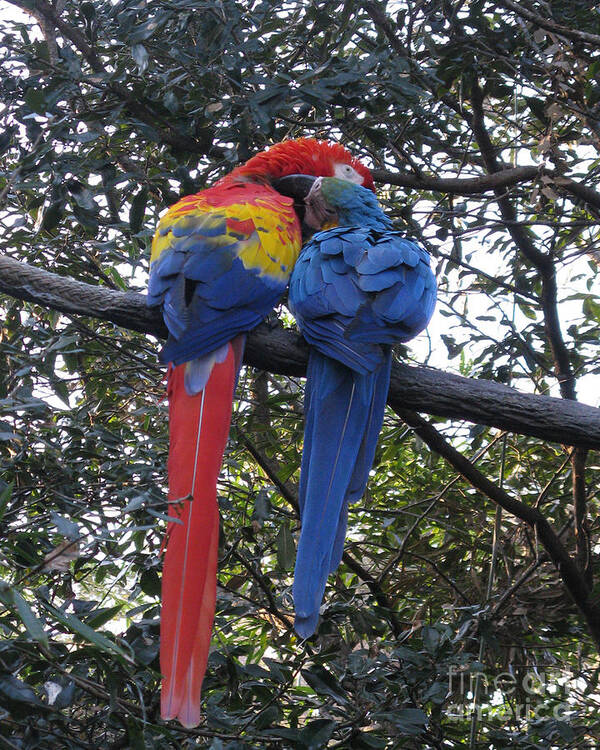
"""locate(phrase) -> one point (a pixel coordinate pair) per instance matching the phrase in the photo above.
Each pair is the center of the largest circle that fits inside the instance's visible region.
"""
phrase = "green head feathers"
(353, 204)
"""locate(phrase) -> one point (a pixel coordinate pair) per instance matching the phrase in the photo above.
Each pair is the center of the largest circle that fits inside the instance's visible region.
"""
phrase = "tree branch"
(497, 181)
(459, 185)
(283, 352)
(546, 23)
(169, 135)
(572, 577)
(542, 262)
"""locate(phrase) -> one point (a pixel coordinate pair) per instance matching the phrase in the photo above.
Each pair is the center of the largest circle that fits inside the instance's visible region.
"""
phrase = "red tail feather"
(199, 426)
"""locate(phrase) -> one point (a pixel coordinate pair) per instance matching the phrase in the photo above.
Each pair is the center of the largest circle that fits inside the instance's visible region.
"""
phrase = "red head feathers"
(307, 156)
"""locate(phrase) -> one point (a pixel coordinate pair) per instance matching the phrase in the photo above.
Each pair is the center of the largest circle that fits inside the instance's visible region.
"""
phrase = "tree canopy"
(466, 611)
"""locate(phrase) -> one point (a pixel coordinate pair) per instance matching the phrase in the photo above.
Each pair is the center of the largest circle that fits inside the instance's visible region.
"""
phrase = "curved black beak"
(297, 187)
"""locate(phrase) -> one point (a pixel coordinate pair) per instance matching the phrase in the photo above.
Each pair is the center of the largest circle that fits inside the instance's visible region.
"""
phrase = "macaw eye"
(346, 172)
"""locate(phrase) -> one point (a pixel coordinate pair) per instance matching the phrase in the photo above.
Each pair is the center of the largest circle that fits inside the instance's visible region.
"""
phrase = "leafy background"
(110, 112)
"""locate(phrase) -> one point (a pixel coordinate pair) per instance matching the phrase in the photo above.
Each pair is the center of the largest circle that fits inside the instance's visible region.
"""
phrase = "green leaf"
(262, 507)
(286, 549)
(146, 29)
(538, 107)
(100, 617)
(137, 210)
(368, 740)
(150, 582)
(75, 625)
(317, 733)
(66, 696)
(288, 734)
(527, 311)
(324, 683)
(436, 693)
(268, 717)
(36, 100)
(171, 102)
(163, 516)
(16, 690)
(52, 216)
(119, 280)
(88, 10)
(411, 721)
(431, 638)
(66, 527)
(32, 623)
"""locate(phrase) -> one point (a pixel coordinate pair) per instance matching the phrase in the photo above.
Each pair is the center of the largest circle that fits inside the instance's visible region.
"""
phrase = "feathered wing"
(220, 262)
(354, 292)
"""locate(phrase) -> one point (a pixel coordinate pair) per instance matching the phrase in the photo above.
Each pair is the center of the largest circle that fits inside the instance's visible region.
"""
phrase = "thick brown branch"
(546, 23)
(459, 185)
(573, 579)
(283, 352)
(583, 192)
(33, 284)
(496, 181)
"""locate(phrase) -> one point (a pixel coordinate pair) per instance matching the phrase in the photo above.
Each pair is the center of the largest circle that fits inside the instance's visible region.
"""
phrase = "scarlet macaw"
(355, 290)
(221, 259)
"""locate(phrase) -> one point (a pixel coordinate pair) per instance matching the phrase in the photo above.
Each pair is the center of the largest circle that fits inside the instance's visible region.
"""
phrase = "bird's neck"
(368, 219)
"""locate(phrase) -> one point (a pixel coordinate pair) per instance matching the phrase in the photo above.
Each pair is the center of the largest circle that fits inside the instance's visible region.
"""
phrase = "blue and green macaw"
(356, 289)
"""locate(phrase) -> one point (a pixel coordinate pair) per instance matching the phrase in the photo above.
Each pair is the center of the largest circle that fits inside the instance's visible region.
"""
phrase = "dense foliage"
(112, 109)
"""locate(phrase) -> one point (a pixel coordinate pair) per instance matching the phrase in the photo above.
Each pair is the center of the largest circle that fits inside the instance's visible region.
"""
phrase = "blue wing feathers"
(207, 294)
(210, 331)
(331, 339)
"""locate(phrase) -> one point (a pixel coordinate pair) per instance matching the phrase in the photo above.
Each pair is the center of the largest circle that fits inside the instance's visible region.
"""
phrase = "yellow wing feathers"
(253, 221)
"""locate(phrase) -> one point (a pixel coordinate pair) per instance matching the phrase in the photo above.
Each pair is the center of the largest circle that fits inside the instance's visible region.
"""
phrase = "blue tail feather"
(366, 454)
(337, 550)
(355, 290)
(365, 457)
(337, 401)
